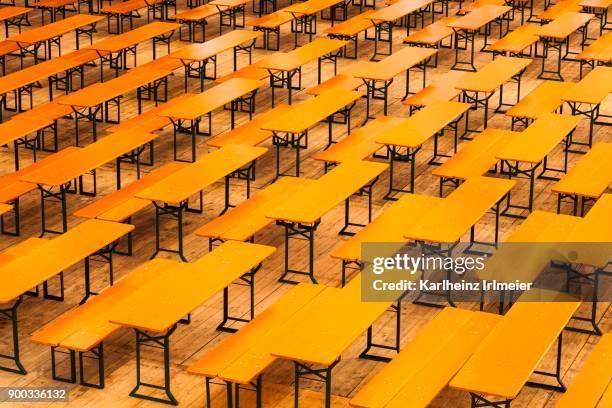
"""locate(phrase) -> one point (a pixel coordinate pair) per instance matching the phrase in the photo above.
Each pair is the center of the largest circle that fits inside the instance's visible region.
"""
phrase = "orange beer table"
(300, 213)
(508, 357)
(67, 174)
(13, 16)
(468, 26)
(30, 42)
(479, 87)
(156, 309)
(196, 57)
(282, 67)
(114, 50)
(291, 128)
(35, 261)
(171, 195)
(556, 37)
(378, 76)
(187, 114)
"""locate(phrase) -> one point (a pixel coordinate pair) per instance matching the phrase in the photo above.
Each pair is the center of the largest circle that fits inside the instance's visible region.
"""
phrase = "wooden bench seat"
(242, 222)
(442, 89)
(427, 364)
(250, 133)
(587, 180)
(517, 41)
(544, 99)
(12, 188)
(83, 329)
(389, 226)
(591, 387)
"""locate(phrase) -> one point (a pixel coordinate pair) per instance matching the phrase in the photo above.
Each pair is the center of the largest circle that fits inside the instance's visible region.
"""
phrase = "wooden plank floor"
(190, 342)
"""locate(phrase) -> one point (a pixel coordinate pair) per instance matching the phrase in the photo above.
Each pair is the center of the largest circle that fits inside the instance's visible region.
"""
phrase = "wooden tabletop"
(479, 17)
(15, 129)
(201, 104)
(210, 48)
(52, 30)
(320, 332)
(389, 226)
(544, 99)
(493, 75)
(195, 177)
(240, 357)
(292, 60)
(593, 88)
(13, 11)
(415, 130)
(447, 222)
(588, 243)
(533, 144)
(398, 10)
(599, 50)
(563, 26)
(85, 159)
(56, 255)
(591, 176)
(309, 204)
(85, 326)
(249, 217)
(517, 40)
(476, 157)
(361, 143)
(162, 302)
(427, 363)
(119, 42)
(228, 4)
(507, 357)
(307, 114)
(592, 387)
(98, 93)
(310, 7)
(250, 133)
(393, 65)
(351, 26)
(45, 69)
